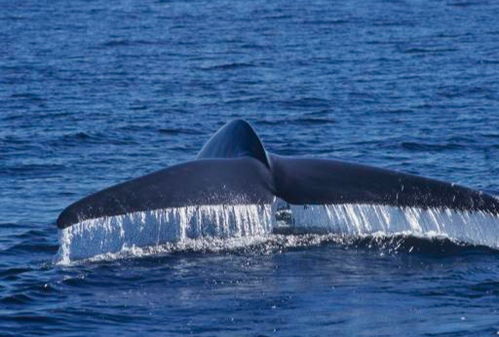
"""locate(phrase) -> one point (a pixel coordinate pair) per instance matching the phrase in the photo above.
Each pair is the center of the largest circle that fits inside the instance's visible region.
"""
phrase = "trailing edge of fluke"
(233, 168)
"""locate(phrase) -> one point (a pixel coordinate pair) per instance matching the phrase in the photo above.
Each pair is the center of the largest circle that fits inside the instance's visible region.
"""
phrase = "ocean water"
(93, 93)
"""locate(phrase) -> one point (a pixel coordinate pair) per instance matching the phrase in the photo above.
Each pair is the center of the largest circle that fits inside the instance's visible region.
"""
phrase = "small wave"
(28, 96)
(229, 66)
(397, 23)
(116, 43)
(464, 4)
(417, 50)
(277, 17)
(16, 299)
(306, 102)
(314, 120)
(82, 137)
(254, 46)
(129, 43)
(23, 170)
(413, 146)
(27, 247)
(12, 272)
(325, 22)
(298, 121)
(178, 131)
(13, 18)
(396, 111)
(488, 61)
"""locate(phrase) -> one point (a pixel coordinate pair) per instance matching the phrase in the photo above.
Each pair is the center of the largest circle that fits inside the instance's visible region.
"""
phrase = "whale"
(235, 186)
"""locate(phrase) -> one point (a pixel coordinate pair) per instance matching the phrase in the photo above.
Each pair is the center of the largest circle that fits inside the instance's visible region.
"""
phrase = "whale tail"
(234, 168)
(236, 188)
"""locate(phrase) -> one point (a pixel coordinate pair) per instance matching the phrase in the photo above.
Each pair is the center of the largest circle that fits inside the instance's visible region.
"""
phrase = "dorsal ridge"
(235, 139)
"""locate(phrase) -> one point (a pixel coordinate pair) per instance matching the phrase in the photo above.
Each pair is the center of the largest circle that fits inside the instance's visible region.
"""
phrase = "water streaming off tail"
(112, 234)
(202, 226)
(478, 228)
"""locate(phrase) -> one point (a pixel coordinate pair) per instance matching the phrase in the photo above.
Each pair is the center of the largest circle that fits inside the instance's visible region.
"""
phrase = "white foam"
(261, 244)
(226, 226)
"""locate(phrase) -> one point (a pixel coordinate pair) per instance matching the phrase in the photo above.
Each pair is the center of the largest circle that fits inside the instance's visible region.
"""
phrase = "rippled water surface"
(96, 92)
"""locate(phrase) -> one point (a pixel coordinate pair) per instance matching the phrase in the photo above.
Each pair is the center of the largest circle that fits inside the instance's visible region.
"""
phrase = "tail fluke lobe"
(202, 182)
(320, 181)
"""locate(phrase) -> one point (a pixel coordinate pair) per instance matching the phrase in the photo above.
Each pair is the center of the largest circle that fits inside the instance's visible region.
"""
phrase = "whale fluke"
(233, 168)
(321, 181)
(200, 182)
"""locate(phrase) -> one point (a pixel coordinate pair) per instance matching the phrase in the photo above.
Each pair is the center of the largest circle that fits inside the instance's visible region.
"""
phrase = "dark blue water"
(96, 92)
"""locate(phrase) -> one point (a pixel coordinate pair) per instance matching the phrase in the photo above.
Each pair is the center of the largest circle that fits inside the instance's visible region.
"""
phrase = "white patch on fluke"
(184, 226)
